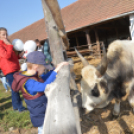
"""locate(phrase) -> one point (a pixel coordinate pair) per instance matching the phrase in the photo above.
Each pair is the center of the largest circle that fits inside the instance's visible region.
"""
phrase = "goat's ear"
(103, 85)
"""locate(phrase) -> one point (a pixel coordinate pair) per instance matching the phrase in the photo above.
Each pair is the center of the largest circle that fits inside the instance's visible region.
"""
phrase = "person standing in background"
(4, 81)
(47, 51)
(39, 46)
(9, 64)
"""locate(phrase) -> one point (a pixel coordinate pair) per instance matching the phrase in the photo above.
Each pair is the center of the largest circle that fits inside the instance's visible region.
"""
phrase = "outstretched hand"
(59, 66)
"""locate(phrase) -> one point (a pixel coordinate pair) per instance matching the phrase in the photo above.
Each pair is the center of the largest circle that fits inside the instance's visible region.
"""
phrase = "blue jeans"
(40, 129)
(5, 83)
(16, 101)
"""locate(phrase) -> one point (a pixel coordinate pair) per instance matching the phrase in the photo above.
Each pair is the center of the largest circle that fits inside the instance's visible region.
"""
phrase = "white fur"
(87, 84)
(89, 78)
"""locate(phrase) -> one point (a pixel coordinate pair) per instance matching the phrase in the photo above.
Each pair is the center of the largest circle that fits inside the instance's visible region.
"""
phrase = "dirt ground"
(101, 121)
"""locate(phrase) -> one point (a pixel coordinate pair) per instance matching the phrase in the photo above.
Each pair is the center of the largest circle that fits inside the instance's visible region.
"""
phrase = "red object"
(19, 82)
(8, 59)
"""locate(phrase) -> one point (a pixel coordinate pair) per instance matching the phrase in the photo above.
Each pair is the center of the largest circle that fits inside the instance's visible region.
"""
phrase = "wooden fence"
(85, 50)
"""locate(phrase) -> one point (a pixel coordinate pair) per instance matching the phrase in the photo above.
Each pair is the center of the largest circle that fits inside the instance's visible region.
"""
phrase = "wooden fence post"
(59, 117)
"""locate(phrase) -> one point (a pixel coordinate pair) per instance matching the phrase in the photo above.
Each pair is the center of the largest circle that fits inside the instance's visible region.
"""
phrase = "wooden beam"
(83, 52)
(97, 42)
(83, 46)
(77, 42)
(88, 38)
(59, 27)
(60, 117)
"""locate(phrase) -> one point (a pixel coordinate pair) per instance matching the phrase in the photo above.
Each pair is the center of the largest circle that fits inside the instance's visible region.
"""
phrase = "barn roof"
(80, 14)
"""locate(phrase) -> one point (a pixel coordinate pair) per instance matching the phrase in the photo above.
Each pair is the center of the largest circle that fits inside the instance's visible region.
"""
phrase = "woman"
(9, 64)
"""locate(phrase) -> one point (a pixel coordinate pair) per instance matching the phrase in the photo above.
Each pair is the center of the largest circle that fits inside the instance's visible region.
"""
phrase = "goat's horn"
(102, 67)
(84, 61)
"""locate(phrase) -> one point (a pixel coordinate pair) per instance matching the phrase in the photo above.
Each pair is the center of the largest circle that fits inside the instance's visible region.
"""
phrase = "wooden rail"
(84, 50)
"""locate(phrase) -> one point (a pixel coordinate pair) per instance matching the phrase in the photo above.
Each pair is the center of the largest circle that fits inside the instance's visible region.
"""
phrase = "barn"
(88, 23)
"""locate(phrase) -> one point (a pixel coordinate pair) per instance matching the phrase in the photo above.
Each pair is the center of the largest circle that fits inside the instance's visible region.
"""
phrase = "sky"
(17, 14)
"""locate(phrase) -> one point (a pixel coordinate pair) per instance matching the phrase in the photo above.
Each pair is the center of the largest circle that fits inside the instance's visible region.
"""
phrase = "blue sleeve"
(32, 86)
(45, 76)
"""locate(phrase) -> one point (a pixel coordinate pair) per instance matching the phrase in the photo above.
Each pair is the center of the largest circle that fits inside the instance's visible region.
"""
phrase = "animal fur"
(117, 82)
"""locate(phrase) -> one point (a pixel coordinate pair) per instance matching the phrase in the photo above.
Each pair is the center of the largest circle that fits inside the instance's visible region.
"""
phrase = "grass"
(10, 118)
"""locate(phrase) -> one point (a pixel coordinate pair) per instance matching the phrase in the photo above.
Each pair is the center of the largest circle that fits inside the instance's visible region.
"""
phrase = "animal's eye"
(103, 84)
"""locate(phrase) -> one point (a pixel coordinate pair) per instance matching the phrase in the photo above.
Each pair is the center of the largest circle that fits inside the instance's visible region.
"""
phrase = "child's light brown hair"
(29, 65)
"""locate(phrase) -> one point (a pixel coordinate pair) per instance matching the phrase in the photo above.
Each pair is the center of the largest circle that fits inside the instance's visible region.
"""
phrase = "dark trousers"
(16, 100)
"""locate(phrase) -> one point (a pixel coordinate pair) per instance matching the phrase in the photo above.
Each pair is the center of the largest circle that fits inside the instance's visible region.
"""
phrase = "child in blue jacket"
(32, 86)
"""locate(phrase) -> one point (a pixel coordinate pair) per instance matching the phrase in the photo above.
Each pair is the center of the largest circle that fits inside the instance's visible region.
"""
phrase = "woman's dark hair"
(37, 40)
(3, 29)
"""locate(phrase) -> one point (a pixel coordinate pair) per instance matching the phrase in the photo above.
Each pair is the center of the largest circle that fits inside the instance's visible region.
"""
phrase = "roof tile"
(79, 14)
